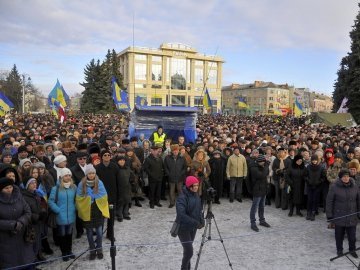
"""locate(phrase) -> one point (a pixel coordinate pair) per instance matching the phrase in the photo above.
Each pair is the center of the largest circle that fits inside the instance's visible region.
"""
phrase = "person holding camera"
(342, 204)
(189, 216)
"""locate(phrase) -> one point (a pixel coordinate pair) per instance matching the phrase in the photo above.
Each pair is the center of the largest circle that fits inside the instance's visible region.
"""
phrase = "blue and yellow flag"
(298, 109)
(5, 104)
(207, 101)
(242, 103)
(58, 96)
(120, 97)
(277, 111)
(141, 101)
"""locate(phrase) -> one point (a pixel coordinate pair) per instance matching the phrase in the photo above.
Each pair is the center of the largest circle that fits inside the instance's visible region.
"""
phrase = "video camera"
(211, 193)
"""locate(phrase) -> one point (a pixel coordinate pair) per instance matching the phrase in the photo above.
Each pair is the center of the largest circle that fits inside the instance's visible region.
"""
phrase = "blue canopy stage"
(175, 121)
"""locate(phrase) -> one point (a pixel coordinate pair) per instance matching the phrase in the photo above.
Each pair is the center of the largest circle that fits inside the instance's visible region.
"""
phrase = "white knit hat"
(59, 159)
(23, 161)
(65, 171)
(89, 169)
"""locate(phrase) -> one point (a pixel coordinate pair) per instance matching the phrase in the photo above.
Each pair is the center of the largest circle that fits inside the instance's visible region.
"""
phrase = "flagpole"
(207, 78)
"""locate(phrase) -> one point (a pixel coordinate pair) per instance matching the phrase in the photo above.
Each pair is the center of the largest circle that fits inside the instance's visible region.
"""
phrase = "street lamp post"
(23, 95)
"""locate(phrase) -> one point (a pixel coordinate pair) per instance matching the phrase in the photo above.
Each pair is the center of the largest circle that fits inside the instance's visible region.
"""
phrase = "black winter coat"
(189, 210)
(343, 200)
(77, 173)
(258, 180)
(13, 249)
(109, 176)
(315, 175)
(154, 168)
(218, 174)
(295, 178)
(275, 167)
(124, 185)
(175, 169)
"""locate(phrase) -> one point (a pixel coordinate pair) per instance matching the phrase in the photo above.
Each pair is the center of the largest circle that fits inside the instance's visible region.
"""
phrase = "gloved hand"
(18, 226)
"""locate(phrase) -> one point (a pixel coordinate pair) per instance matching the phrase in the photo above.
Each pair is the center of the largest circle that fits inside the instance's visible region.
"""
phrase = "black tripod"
(346, 255)
(207, 231)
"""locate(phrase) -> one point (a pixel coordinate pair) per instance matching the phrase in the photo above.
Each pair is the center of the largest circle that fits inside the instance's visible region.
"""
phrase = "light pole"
(23, 95)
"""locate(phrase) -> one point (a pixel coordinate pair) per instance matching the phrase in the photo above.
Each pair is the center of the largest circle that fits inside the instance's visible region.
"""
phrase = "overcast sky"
(296, 42)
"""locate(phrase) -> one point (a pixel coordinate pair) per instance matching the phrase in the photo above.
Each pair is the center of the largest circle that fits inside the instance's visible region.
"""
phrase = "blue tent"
(176, 121)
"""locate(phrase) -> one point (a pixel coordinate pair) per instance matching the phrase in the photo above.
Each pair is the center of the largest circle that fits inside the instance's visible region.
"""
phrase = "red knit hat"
(190, 180)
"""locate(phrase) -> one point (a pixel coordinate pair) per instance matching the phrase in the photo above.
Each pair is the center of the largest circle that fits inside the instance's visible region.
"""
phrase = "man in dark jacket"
(108, 172)
(154, 167)
(175, 168)
(258, 189)
(342, 202)
(315, 175)
(218, 174)
(78, 173)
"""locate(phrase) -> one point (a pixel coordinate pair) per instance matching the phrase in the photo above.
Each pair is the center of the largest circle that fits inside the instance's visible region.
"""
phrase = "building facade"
(173, 75)
(260, 97)
(273, 99)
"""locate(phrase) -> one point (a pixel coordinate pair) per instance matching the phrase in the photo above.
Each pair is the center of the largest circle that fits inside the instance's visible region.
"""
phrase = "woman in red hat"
(189, 216)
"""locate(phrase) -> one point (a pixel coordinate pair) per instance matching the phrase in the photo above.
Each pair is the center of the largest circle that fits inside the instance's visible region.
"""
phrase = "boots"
(308, 215)
(46, 247)
(137, 203)
(63, 248)
(69, 246)
(291, 212)
(312, 217)
(40, 257)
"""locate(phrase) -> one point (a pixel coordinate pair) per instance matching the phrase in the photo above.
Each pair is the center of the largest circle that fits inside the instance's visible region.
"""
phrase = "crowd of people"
(58, 180)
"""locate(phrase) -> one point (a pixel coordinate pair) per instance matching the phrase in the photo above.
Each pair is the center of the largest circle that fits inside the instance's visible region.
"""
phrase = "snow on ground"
(144, 242)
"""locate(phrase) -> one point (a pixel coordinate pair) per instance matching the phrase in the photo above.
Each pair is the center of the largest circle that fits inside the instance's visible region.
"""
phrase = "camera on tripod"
(211, 193)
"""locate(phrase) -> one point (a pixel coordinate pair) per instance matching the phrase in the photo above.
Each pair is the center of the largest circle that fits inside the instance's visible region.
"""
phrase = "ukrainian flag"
(242, 103)
(58, 96)
(120, 97)
(207, 101)
(277, 112)
(298, 109)
(5, 104)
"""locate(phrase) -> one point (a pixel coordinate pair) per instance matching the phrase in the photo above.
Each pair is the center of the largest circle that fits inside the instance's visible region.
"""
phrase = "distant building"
(75, 102)
(261, 98)
(273, 99)
(173, 75)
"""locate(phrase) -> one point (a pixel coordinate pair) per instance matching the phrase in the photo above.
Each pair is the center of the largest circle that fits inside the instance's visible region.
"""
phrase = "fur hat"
(174, 147)
(39, 164)
(94, 148)
(353, 164)
(59, 159)
(39, 148)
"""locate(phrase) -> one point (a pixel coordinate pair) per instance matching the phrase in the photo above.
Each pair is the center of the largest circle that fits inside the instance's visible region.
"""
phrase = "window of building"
(198, 101)
(212, 77)
(140, 85)
(271, 106)
(168, 69)
(156, 58)
(199, 75)
(188, 76)
(177, 100)
(199, 63)
(140, 71)
(156, 72)
(271, 98)
(156, 101)
(156, 86)
(140, 57)
(178, 73)
(212, 65)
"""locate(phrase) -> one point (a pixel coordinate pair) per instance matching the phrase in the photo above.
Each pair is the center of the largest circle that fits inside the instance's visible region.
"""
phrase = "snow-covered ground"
(144, 242)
